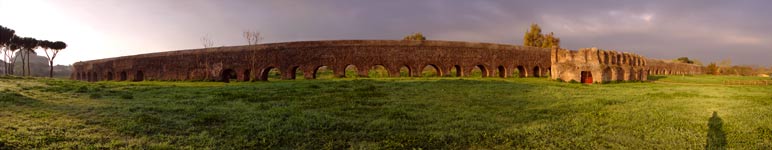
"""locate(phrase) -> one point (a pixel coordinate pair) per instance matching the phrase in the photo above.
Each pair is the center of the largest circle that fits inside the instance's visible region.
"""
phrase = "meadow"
(670, 112)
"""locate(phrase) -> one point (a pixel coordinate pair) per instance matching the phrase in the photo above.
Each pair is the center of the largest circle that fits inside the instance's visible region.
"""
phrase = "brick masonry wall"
(253, 62)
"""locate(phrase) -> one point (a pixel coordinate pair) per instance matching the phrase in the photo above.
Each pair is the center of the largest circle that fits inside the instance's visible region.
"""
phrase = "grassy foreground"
(674, 112)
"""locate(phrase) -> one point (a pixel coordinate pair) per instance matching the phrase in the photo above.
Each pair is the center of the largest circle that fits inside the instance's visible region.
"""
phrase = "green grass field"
(673, 112)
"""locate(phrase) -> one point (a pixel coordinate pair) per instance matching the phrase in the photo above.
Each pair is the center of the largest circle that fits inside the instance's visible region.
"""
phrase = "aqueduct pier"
(253, 62)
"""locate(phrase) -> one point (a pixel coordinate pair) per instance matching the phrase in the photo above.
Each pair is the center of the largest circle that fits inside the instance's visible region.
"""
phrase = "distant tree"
(13, 47)
(206, 41)
(415, 37)
(54, 47)
(534, 38)
(713, 69)
(685, 60)
(252, 37)
(6, 35)
(550, 40)
(28, 46)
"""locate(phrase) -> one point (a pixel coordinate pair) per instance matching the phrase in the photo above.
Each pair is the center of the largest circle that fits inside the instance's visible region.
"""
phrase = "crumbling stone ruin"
(592, 65)
(253, 62)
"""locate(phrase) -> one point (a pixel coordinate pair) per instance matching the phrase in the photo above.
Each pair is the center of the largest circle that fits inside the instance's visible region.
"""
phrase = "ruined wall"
(601, 65)
(608, 65)
(669, 67)
(254, 62)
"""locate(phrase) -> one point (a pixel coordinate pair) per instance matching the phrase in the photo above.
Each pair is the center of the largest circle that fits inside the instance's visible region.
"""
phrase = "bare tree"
(206, 41)
(252, 37)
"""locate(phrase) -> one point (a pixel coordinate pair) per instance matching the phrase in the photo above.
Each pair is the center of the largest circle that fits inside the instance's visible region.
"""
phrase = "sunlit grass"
(385, 113)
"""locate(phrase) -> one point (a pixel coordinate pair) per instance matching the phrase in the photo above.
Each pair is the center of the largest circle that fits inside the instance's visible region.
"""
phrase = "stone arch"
(347, 74)
(323, 72)
(109, 76)
(502, 71)
(458, 71)
(265, 74)
(123, 76)
(607, 74)
(483, 70)
(378, 71)
(437, 71)
(293, 72)
(549, 71)
(521, 72)
(139, 76)
(407, 70)
(227, 75)
(632, 74)
(536, 71)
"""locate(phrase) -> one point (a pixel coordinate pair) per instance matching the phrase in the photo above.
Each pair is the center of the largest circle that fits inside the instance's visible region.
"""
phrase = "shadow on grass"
(716, 135)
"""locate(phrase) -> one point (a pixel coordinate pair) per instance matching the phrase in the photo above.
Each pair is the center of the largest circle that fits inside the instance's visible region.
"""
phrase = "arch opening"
(109, 76)
(430, 71)
(350, 71)
(227, 75)
(404, 71)
(520, 71)
(536, 71)
(296, 73)
(323, 72)
(269, 74)
(247, 75)
(502, 72)
(456, 71)
(586, 77)
(479, 70)
(378, 71)
(123, 76)
(607, 74)
(139, 76)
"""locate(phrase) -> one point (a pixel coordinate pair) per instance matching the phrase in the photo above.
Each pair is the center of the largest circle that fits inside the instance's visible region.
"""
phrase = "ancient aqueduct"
(249, 63)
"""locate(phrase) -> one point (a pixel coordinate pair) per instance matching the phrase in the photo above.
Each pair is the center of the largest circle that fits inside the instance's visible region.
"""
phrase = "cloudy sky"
(708, 30)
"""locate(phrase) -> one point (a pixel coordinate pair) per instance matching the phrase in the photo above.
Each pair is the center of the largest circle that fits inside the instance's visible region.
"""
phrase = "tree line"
(11, 45)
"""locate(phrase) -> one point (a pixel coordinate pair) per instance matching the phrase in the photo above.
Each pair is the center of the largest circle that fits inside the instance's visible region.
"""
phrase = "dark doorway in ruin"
(247, 74)
(431, 71)
(94, 77)
(536, 71)
(227, 75)
(123, 76)
(520, 72)
(350, 71)
(404, 71)
(456, 71)
(109, 76)
(586, 77)
(323, 72)
(378, 71)
(549, 72)
(139, 76)
(502, 72)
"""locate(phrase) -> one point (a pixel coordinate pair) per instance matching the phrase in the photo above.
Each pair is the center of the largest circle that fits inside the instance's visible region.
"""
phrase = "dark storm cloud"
(708, 30)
